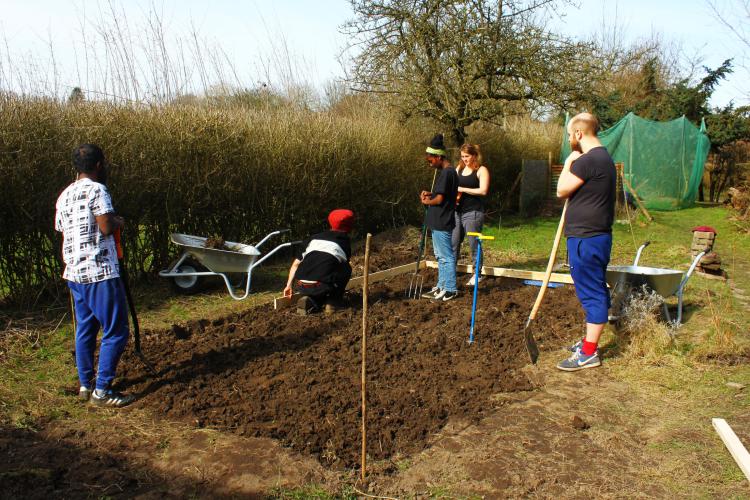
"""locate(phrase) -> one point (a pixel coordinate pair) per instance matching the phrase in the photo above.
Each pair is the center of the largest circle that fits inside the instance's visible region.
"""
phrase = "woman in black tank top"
(473, 185)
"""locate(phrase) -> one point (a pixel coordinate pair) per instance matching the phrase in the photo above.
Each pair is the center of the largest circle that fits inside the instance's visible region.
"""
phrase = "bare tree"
(736, 20)
(462, 61)
(735, 16)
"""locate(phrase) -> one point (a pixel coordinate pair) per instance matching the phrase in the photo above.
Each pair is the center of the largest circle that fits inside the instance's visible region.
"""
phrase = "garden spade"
(417, 280)
(131, 306)
(528, 334)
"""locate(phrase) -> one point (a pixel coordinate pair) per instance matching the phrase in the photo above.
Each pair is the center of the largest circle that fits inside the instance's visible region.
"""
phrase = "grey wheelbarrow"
(187, 272)
(624, 280)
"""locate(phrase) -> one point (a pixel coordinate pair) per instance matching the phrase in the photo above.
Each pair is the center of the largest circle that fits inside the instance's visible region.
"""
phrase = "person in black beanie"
(440, 218)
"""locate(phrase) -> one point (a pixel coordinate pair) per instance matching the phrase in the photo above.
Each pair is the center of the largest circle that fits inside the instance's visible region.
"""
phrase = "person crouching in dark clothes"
(321, 271)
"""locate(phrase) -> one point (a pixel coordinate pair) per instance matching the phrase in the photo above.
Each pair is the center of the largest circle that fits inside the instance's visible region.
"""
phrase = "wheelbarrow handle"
(270, 235)
(640, 251)
(690, 271)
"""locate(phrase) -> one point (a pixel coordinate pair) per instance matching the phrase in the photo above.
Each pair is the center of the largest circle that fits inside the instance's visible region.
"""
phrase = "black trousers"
(332, 287)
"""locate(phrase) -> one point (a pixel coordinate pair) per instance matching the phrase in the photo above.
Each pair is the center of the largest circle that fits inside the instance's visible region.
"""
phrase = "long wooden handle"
(550, 264)
(364, 356)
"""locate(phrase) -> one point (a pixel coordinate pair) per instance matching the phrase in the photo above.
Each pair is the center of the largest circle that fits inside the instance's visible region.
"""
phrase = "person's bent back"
(321, 270)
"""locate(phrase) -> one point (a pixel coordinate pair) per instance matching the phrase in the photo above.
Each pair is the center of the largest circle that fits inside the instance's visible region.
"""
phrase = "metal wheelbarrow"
(234, 258)
(623, 280)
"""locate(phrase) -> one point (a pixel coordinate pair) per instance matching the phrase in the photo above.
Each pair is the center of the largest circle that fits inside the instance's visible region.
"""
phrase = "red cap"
(704, 229)
(341, 219)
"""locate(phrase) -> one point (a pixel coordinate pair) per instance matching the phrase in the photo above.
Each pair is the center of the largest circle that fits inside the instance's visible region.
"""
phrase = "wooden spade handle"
(551, 263)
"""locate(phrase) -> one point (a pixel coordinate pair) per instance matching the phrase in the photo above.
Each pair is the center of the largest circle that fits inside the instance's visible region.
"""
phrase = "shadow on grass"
(34, 465)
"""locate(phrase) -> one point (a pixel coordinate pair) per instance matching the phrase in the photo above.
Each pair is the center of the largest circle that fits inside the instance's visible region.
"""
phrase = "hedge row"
(237, 173)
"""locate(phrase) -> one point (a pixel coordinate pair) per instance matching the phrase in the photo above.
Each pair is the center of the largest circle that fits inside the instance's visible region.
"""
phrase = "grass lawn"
(681, 382)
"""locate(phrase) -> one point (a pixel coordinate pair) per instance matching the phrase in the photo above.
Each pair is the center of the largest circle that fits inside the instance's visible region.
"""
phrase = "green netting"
(662, 160)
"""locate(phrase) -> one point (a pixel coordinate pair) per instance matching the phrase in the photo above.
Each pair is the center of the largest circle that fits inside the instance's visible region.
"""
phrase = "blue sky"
(262, 39)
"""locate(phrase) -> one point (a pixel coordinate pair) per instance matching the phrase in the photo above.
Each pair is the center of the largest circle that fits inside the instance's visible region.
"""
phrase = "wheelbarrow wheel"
(187, 284)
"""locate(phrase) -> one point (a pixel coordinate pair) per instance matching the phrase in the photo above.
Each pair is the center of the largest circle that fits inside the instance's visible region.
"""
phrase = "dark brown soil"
(389, 249)
(216, 242)
(271, 377)
(296, 379)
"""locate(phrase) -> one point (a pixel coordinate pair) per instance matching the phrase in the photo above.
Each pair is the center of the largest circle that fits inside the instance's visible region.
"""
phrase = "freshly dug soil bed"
(275, 374)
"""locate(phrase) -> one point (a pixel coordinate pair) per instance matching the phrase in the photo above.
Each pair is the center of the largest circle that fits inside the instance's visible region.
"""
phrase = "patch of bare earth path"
(575, 437)
(130, 454)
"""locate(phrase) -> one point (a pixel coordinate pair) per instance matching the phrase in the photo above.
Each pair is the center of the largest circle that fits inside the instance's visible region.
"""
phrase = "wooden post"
(549, 172)
(620, 197)
(637, 198)
(504, 205)
(364, 352)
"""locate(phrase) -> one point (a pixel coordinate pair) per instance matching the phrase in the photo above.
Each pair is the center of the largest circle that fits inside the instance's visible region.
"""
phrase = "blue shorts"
(588, 259)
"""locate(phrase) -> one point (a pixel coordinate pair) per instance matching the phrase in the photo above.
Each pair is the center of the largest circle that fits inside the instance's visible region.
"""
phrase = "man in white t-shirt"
(85, 216)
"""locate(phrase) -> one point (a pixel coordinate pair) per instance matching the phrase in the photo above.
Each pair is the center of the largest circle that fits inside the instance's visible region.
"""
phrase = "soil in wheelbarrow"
(296, 379)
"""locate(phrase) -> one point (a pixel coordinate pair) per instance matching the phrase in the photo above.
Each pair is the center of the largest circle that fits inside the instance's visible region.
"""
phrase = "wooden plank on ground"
(510, 273)
(281, 302)
(733, 444)
(384, 275)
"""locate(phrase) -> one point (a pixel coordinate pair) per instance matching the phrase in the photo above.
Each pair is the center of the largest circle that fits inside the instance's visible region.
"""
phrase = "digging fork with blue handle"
(477, 274)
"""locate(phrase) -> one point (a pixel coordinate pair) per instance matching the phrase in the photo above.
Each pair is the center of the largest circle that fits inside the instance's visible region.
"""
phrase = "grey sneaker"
(573, 348)
(111, 398)
(579, 361)
(433, 293)
(84, 393)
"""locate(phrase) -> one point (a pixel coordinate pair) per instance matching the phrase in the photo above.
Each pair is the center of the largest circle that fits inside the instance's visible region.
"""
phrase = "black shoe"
(334, 304)
(112, 399)
(306, 305)
(449, 296)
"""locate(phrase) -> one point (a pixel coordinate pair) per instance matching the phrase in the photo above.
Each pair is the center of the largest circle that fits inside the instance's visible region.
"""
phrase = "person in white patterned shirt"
(85, 216)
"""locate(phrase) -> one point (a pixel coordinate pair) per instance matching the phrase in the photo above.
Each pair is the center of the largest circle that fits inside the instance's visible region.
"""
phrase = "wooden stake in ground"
(635, 195)
(365, 283)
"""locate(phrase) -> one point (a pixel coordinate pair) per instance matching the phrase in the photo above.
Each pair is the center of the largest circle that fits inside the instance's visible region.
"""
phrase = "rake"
(416, 282)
